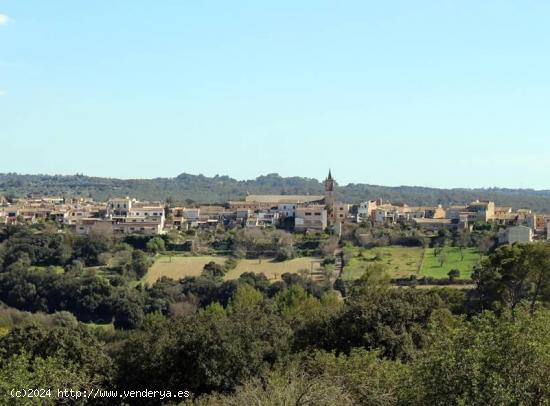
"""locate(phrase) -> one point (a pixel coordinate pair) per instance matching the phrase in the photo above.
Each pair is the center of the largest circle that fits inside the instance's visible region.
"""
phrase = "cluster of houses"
(121, 216)
(129, 216)
(522, 225)
(302, 213)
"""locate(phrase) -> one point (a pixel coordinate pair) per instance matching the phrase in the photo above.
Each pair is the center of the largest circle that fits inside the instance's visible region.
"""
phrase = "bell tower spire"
(329, 190)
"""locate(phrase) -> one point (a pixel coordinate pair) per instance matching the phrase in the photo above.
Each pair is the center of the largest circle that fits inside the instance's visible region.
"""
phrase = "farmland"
(181, 266)
(439, 267)
(399, 261)
(274, 269)
(178, 267)
(405, 261)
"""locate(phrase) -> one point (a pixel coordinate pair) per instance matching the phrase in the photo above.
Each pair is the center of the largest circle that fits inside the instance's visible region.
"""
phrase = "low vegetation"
(439, 262)
(244, 330)
(402, 262)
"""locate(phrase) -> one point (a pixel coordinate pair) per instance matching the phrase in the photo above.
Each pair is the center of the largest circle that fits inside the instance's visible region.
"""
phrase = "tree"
(245, 298)
(488, 360)
(363, 375)
(374, 278)
(374, 317)
(463, 240)
(140, 263)
(128, 313)
(47, 375)
(213, 270)
(71, 343)
(485, 244)
(155, 245)
(453, 274)
(88, 248)
(443, 235)
(289, 386)
(204, 352)
(296, 305)
(539, 260)
(44, 248)
(513, 273)
(442, 258)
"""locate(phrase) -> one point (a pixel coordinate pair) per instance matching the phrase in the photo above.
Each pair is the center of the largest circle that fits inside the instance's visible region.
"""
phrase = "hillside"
(217, 189)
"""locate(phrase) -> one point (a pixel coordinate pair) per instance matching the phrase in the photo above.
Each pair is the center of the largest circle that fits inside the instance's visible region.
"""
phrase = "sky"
(433, 93)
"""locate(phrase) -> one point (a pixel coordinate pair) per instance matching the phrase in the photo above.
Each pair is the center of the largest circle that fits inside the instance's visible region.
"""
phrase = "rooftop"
(284, 198)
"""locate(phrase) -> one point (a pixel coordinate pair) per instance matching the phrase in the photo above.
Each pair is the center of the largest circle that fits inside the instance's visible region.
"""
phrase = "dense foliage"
(253, 341)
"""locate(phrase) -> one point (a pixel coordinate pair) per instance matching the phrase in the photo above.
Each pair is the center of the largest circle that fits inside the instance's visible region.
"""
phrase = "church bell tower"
(329, 190)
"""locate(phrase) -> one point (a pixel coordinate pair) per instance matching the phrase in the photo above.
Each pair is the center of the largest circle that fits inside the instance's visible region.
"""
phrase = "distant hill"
(219, 189)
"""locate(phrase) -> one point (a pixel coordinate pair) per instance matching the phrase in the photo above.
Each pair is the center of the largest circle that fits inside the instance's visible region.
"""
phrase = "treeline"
(381, 346)
(188, 188)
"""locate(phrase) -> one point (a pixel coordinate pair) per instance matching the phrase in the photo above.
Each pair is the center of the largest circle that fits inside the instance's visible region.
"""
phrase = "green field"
(399, 261)
(405, 261)
(180, 267)
(433, 267)
(105, 327)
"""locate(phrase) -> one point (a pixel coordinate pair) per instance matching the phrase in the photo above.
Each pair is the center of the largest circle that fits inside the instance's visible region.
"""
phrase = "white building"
(287, 209)
(126, 216)
(515, 234)
(365, 211)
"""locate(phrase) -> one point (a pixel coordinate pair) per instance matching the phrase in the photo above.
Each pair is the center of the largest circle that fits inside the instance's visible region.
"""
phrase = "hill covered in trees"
(199, 188)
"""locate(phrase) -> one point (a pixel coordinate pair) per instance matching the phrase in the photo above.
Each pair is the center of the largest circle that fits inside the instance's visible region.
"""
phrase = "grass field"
(105, 327)
(180, 267)
(405, 261)
(432, 267)
(457, 287)
(399, 261)
(272, 269)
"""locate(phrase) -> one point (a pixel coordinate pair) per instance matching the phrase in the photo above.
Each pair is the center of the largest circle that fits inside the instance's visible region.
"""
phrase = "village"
(297, 213)
(307, 203)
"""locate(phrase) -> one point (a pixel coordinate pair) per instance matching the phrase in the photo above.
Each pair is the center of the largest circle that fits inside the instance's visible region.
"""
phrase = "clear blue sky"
(436, 93)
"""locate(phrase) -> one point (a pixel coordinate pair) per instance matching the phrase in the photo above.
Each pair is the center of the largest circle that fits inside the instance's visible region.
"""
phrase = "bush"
(213, 270)
(155, 245)
(454, 274)
(230, 263)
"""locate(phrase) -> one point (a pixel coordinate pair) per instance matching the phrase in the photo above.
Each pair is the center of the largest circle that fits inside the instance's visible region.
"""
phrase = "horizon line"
(279, 175)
